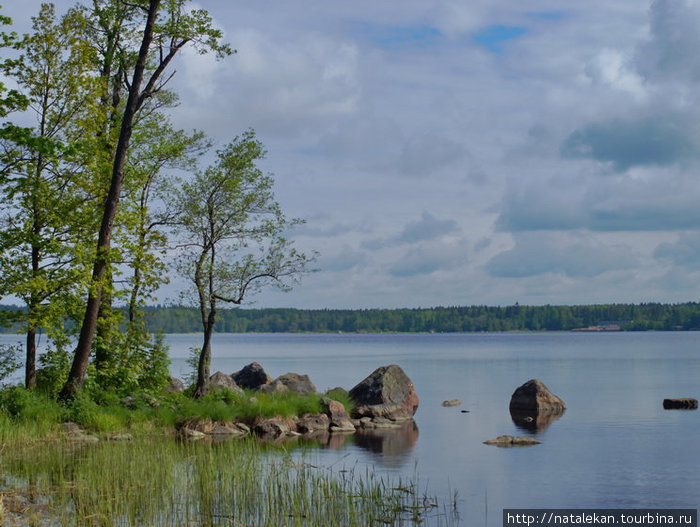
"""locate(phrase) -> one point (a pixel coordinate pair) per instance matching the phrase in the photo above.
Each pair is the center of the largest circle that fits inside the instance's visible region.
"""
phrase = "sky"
(455, 153)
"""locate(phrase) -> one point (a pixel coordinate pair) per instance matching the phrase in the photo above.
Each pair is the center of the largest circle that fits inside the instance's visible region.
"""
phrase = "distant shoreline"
(458, 319)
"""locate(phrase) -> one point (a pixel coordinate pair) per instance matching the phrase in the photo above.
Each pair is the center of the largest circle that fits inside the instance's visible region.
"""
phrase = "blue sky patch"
(493, 37)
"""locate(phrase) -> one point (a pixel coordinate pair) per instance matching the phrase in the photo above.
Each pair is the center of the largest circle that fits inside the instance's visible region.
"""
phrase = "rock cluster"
(385, 399)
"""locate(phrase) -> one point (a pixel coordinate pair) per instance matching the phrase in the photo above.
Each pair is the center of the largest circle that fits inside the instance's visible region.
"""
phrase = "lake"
(615, 446)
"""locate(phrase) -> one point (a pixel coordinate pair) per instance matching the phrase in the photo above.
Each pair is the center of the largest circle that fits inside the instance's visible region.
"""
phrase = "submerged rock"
(511, 441)
(535, 396)
(386, 392)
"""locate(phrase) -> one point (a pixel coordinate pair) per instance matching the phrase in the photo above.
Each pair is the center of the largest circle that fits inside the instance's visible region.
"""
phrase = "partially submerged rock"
(229, 430)
(274, 428)
(534, 396)
(680, 403)
(512, 441)
(451, 402)
(199, 427)
(313, 423)
(386, 392)
(251, 376)
(338, 416)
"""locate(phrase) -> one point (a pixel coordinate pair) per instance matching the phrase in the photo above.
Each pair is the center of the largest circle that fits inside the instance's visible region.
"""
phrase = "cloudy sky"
(456, 153)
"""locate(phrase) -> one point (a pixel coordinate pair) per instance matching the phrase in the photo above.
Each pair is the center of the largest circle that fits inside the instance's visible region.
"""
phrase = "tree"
(165, 30)
(232, 237)
(42, 222)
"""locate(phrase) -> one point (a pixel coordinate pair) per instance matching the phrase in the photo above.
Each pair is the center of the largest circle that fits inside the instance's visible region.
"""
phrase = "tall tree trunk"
(104, 327)
(30, 365)
(205, 355)
(76, 376)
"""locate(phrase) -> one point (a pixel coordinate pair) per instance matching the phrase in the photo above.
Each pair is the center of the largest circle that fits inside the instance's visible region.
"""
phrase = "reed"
(164, 482)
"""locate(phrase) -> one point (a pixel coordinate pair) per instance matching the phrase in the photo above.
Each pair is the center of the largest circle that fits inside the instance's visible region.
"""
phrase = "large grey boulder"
(386, 392)
(290, 382)
(251, 376)
(534, 396)
(221, 380)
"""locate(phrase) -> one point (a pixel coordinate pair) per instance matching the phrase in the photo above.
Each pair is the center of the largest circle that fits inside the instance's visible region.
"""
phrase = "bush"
(27, 405)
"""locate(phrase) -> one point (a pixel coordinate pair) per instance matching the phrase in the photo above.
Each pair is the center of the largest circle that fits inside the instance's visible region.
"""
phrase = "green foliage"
(25, 405)
(87, 412)
(342, 396)
(10, 360)
(53, 371)
(137, 361)
(231, 234)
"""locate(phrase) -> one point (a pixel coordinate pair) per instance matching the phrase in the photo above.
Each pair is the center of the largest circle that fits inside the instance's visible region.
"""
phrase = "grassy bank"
(30, 414)
(159, 480)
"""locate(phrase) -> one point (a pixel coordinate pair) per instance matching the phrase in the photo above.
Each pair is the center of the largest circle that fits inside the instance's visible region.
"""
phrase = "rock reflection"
(534, 421)
(392, 446)
(324, 439)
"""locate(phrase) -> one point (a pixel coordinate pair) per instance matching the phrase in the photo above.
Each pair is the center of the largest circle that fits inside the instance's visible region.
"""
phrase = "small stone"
(191, 434)
(81, 437)
(511, 441)
(683, 403)
(121, 437)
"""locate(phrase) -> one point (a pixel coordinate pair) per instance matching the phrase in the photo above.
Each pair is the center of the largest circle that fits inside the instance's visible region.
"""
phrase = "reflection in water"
(392, 446)
(534, 421)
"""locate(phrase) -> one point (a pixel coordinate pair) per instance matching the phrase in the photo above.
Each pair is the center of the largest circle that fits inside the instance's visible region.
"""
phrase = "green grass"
(163, 482)
(158, 480)
(33, 414)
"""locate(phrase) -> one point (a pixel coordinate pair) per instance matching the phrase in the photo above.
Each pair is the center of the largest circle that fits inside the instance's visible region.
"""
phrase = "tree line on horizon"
(480, 318)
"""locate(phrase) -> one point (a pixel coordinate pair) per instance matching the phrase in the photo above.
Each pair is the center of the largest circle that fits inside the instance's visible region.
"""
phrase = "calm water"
(614, 447)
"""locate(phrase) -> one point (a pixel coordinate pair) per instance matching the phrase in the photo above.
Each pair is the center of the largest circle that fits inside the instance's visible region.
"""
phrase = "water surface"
(614, 447)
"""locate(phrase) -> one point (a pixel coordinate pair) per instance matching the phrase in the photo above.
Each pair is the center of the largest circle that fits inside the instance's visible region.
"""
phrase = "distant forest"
(626, 317)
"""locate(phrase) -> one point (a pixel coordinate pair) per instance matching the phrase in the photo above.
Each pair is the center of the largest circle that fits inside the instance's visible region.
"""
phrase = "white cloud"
(433, 170)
